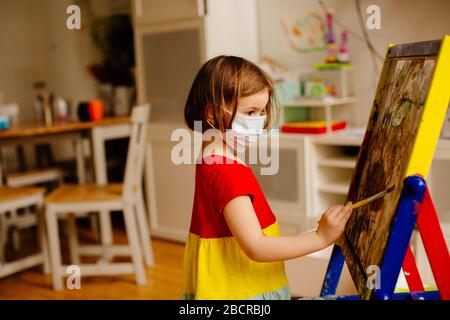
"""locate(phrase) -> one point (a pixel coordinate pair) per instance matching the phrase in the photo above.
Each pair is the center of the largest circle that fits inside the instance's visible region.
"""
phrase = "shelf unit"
(311, 103)
(332, 166)
(332, 163)
(327, 105)
(344, 162)
(335, 187)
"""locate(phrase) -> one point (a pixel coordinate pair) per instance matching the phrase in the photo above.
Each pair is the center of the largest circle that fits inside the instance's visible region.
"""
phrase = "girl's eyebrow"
(253, 108)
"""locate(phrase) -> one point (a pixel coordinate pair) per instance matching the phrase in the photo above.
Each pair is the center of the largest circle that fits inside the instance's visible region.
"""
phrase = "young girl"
(234, 249)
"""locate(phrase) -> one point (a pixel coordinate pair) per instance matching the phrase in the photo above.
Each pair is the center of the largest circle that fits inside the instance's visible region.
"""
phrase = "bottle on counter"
(43, 103)
(47, 104)
(61, 110)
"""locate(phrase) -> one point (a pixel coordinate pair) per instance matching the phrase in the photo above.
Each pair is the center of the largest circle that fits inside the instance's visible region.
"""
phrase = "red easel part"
(411, 272)
(435, 246)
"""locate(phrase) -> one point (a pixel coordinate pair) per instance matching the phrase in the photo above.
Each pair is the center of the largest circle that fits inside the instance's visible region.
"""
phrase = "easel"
(415, 207)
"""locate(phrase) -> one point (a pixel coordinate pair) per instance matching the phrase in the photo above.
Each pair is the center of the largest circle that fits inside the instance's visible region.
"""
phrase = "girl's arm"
(244, 225)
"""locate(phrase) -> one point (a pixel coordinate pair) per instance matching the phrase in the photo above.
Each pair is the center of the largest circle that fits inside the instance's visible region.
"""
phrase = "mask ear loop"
(207, 121)
(227, 111)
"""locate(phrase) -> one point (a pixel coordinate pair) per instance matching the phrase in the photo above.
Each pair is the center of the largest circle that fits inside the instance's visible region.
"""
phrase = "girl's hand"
(332, 223)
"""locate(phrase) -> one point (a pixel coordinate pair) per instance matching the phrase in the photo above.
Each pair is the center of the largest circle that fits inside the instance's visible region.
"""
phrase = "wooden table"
(100, 131)
(26, 130)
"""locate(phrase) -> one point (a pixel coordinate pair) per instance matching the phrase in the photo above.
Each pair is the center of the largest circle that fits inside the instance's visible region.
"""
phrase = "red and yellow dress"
(215, 267)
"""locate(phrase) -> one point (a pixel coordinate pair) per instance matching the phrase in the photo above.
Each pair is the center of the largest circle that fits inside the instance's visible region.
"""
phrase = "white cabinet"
(169, 187)
(231, 29)
(167, 58)
(174, 38)
(153, 11)
(332, 158)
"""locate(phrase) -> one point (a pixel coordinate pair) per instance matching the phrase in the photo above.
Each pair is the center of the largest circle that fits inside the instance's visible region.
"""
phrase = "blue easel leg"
(400, 236)
(333, 273)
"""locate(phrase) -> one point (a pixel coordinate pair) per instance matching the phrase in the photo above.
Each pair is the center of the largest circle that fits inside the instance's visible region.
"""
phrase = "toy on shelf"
(314, 88)
(317, 88)
(330, 40)
(343, 56)
(312, 127)
(330, 88)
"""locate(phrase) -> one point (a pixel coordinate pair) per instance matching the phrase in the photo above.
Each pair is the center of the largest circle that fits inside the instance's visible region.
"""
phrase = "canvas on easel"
(403, 129)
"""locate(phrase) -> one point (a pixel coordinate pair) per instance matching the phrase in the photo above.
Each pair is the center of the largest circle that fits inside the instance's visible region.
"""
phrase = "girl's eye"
(253, 113)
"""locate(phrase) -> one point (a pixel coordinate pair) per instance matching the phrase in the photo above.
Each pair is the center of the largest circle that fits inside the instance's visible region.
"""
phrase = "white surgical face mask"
(247, 129)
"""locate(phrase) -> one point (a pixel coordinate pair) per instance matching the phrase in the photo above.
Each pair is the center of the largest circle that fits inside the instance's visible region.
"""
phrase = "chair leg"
(43, 239)
(106, 235)
(105, 227)
(3, 237)
(93, 218)
(54, 246)
(73, 239)
(15, 232)
(144, 231)
(136, 254)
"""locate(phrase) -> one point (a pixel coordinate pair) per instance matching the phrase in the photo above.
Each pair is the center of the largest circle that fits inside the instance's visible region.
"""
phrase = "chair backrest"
(136, 150)
(12, 111)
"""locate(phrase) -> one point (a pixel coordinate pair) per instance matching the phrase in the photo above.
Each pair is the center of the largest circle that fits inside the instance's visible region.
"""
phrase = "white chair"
(72, 200)
(12, 199)
(25, 179)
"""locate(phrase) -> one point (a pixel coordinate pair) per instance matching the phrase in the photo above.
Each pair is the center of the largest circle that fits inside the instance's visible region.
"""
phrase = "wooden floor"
(163, 280)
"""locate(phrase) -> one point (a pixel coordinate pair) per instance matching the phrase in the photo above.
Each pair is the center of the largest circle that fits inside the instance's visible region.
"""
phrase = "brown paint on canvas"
(383, 160)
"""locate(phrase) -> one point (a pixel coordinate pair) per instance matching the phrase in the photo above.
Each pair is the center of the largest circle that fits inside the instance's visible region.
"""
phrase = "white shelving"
(329, 105)
(338, 162)
(335, 187)
(333, 158)
(319, 102)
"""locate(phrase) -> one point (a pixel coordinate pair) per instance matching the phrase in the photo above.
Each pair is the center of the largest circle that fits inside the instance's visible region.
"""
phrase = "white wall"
(35, 45)
(22, 61)
(22, 55)
(401, 20)
(68, 52)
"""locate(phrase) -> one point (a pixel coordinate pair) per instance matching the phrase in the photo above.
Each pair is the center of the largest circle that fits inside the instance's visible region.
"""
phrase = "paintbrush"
(373, 198)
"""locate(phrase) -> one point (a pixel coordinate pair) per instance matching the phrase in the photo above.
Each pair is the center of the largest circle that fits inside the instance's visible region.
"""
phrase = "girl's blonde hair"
(220, 82)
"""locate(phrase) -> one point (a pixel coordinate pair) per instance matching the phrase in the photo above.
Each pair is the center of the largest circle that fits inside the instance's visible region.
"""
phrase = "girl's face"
(251, 106)
(255, 104)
